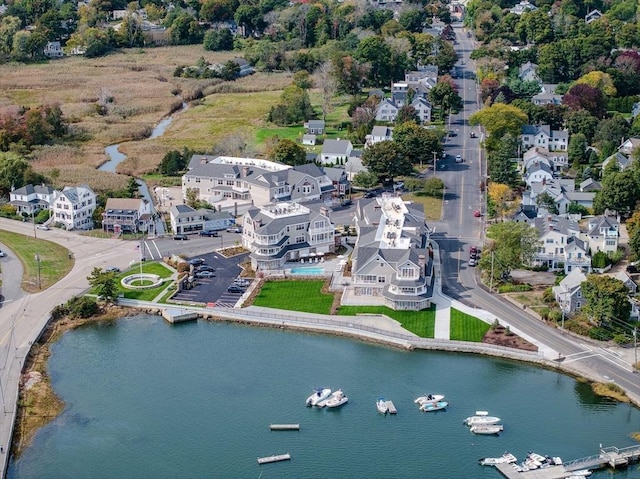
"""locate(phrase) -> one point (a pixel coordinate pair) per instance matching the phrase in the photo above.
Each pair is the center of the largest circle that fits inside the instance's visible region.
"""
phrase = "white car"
(43, 227)
(2, 254)
(458, 159)
(398, 185)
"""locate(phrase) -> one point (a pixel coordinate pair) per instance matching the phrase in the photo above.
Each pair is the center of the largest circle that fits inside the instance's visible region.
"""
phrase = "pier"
(284, 427)
(608, 456)
(276, 458)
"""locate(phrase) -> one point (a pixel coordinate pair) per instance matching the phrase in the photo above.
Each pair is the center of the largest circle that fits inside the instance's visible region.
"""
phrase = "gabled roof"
(130, 204)
(31, 190)
(602, 222)
(336, 147)
(556, 223)
(573, 280)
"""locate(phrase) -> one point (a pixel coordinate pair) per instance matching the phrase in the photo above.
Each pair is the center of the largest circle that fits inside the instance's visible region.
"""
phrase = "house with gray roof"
(392, 261)
(543, 136)
(187, 220)
(538, 173)
(592, 16)
(590, 185)
(523, 7)
(30, 199)
(528, 72)
(257, 182)
(623, 161)
(73, 207)
(379, 133)
(635, 111)
(281, 232)
(555, 160)
(525, 214)
(629, 146)
(547, 96)
(314, 127)
(388, 108)
(335, 151)
(603, 234)
(126, 215)
(560, 246)
(568, 293)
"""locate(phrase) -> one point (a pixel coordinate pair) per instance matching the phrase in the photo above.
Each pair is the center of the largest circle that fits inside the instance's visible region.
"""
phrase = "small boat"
(481, 418)
(433, 406)
(580, 474)
(337, 399)
(428, 398)
(506, 458)
(487, 429)
(536, 461)
(381, 404)
(318, 395)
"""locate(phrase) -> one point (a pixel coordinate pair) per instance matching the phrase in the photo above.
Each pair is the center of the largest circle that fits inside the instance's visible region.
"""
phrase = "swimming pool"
(311, 270)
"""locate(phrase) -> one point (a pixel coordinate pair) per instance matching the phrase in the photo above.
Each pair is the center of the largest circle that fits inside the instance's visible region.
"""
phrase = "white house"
(523, 7)
(537, 155)
(391, 262)
(335, 151)
(623, 161)
(282, 232)
(543, 136)
(568, 293)
(603, 233)
(379, 133)
(528, 72)
(592, 16)
(556, 233)
(53, 50)
(73, 207)
(30, 199)
(629, 146)
(185, 219)
(538, 173)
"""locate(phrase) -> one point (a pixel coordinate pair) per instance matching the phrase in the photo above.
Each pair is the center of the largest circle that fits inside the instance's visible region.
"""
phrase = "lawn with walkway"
(147, 294)
(465, 327)
(421, 323)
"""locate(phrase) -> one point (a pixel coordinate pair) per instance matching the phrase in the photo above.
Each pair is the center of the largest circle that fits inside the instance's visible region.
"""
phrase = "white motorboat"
(433, 406)
(536, 461)
(337, 399)
(320, 394)
(507, 458)
(428, 398)
(487, 429)
(381, 404)
(481, 418)
(580, 474)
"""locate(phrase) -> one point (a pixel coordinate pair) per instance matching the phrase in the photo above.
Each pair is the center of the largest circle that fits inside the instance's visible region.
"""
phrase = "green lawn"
(421, 323)
(151, 267)
(432, 206)
(293, 133)
(465, 327)
(304, 296)
(55, 260)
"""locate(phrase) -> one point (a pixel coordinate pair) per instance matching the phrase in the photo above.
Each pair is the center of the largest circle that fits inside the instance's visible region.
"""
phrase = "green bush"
(555, 315)
(600, 260)
(83, 307)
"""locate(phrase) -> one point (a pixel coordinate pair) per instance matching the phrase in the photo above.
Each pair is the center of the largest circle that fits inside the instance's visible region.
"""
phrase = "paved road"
(23, 319)
(459, 229)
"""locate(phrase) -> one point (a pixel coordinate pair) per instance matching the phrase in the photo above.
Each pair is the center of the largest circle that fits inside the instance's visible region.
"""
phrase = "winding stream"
(116, 157)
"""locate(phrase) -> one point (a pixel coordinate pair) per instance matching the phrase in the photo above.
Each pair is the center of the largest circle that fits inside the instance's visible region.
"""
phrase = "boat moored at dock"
(506, 458)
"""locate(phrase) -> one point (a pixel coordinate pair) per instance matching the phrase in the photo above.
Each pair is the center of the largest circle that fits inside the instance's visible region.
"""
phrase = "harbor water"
(145, 399)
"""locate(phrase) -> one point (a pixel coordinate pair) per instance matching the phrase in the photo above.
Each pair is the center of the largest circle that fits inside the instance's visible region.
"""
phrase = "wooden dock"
(276, 458)
(391, 408)
(284, 427)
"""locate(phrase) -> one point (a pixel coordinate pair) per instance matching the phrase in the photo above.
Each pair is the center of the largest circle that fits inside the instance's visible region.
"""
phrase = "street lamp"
(38, 261)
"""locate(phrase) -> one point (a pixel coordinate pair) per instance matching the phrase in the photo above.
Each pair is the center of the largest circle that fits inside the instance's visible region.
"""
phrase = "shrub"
(555, 315)
(83, 307)
(514, 288)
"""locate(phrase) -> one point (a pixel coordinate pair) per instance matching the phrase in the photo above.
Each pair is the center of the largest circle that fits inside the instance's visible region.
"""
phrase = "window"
(318, 224)
(407, 272)
(382, 279)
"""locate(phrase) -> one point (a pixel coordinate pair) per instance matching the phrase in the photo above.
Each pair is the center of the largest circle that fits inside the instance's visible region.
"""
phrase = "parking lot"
(214, 289)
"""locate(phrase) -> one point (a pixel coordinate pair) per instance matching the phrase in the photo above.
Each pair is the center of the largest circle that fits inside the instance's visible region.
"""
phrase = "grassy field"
(432, 206)
(149, 294)
(55, 260)
(421, 323)
(138, 88)
(304, 296)
(465, 327)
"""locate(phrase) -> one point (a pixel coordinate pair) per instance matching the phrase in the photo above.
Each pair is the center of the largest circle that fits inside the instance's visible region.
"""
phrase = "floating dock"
(284, 427)
(178, 315)
(276, 458)
(391, 408)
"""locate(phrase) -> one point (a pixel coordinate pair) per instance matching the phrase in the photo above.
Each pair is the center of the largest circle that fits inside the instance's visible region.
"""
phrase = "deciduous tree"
(606, 299)
(385, 160)
(104, 283)
(512, 245)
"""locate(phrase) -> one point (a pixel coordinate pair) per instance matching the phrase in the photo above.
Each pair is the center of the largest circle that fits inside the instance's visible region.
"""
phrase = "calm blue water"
(149, 400)
(307, 270)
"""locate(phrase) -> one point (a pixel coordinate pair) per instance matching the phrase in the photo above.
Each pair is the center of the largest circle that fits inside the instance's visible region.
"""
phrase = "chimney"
(422, 261)
(324, 211)
(245, 171)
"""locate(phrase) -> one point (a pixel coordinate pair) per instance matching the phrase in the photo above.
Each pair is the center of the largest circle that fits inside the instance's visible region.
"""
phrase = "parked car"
(2, 254)
(458, 159)
(369, 194)
(208, 233)
(204, 267)
(452, 133)
(472, 261)
(205, 274)
(473, 250)
(234, 229)
(242, 282)
(196, 261)
(234, 288)
(346, 203)
(112, 269)
(180, 237)
(477, 213)
(43, 227)
(398, 185)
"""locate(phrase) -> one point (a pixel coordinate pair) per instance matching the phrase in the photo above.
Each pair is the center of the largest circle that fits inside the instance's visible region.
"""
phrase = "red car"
(477, 213)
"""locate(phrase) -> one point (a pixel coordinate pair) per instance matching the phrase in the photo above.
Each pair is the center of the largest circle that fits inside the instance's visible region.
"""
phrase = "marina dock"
(391, 408)
(276, 458)
(173, 315)
(284, 427)
(608, 456)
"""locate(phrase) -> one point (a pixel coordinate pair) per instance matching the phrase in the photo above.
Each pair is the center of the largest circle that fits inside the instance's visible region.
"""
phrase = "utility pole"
(38, 261)
(491, 276)
(635, 349)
